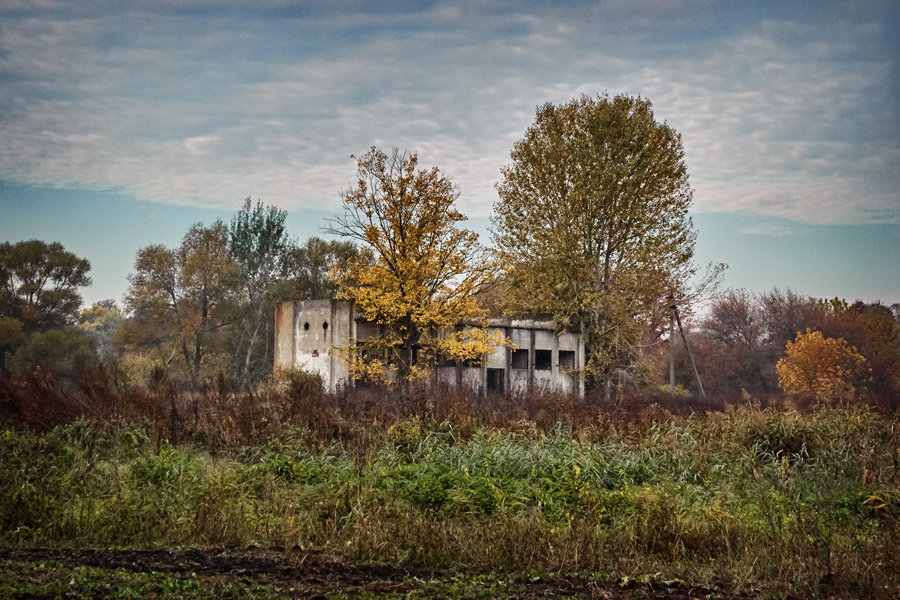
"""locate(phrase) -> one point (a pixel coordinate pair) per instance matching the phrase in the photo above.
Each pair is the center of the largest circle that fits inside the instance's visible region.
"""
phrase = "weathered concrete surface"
(308, 334)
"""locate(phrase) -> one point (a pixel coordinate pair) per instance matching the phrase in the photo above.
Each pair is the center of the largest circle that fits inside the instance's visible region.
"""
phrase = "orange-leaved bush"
(821, 368)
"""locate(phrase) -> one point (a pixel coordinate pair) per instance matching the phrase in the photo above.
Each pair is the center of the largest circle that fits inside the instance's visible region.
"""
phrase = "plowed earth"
(306, 574)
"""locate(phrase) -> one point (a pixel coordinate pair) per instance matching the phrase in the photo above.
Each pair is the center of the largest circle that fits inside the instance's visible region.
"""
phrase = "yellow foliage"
(373, 370)
(820, 368)
(425, 273)
(469, 344)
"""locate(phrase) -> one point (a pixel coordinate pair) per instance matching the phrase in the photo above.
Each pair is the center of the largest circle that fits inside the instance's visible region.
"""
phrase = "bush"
(12, 336)
(303, 383)
(63, 354)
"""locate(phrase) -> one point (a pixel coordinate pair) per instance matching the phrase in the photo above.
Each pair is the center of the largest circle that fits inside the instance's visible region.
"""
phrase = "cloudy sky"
(123, 123)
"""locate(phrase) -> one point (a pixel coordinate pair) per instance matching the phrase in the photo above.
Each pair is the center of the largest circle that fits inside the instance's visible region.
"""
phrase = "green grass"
(793, 501)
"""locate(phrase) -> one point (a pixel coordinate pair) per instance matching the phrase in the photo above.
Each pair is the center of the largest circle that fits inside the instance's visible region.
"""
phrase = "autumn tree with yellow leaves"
(425, 275)
(821, 368)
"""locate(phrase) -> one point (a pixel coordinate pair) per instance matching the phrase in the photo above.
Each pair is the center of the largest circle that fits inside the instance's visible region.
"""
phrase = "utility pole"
(672, 352)
(674, 308)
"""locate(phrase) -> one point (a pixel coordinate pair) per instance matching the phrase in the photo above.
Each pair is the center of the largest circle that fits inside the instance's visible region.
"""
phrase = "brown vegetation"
(221, 414)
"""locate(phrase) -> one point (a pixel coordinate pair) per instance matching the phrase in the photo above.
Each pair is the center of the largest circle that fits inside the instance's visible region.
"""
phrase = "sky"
(122, 124)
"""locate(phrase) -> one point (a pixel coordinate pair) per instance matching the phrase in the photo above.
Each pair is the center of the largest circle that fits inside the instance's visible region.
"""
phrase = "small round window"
(306, 327)
(325, 325)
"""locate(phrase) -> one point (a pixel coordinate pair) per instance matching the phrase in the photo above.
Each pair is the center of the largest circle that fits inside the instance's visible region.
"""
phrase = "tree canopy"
(259, 244)
(182, 298)
(591, 221)
(101, 321)
(39, 284)
(206, 307)
(822, 368)
(314, 267)
(426, 268)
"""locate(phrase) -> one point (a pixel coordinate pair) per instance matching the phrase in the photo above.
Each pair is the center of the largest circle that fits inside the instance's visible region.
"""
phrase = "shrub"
(64, 354)
(303, 383)
(12, 336)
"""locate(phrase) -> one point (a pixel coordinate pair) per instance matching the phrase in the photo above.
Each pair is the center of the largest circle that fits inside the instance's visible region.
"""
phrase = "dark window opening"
(306, 327)
(566, 359)
(409, 357)
(520, 359)
(370, 354)
(325, 325)
(543, 360)
(495, 380)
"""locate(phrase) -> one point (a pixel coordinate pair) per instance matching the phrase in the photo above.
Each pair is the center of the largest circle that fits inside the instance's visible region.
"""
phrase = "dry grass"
(221, 415)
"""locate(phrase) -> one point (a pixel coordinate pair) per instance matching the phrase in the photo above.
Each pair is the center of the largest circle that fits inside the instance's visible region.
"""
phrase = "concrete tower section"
(308, 334)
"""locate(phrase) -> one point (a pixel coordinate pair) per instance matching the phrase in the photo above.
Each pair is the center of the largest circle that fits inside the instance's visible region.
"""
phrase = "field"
(218, 492)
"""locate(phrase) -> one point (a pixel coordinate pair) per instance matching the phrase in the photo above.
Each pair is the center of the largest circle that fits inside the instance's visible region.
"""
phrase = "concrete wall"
(284, 336)
(308, 332)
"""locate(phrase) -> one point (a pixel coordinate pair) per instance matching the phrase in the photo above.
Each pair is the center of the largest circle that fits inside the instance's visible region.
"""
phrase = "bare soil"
(309, 574)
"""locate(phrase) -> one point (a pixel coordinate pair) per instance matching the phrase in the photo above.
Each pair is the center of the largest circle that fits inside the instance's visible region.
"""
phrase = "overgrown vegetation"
(790, 500)
(849, 351)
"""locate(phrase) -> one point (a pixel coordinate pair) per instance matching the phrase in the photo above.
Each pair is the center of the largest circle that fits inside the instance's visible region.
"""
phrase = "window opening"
(543, 360)
(520, 359)
(306, 327)
(567, 359)
(495, 380)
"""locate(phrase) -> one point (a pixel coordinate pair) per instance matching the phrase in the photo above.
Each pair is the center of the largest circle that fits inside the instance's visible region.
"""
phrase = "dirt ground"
(306, 574)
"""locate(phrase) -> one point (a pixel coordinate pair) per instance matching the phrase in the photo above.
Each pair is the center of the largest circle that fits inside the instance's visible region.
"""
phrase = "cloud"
(769, 229)
(784, 111)
(202, 144)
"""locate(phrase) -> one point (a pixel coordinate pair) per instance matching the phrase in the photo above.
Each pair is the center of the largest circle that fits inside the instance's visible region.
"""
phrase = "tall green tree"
(592, 222)
(63, 354)
(39, 284)
(258, 243)
(181, 299)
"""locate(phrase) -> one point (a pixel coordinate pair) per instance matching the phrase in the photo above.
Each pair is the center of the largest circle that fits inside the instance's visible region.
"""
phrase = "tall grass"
(219, 415)
(787, 499)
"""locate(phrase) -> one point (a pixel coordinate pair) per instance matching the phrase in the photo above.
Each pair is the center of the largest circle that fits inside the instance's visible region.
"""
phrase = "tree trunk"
(187, 355)
(245, 371)
(407, 356)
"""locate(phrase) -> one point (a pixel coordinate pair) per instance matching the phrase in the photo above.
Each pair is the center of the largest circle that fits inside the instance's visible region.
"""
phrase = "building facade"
(308, 332)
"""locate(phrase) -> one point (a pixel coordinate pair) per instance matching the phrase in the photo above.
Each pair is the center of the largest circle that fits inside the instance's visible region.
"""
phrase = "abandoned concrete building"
(308, 332)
